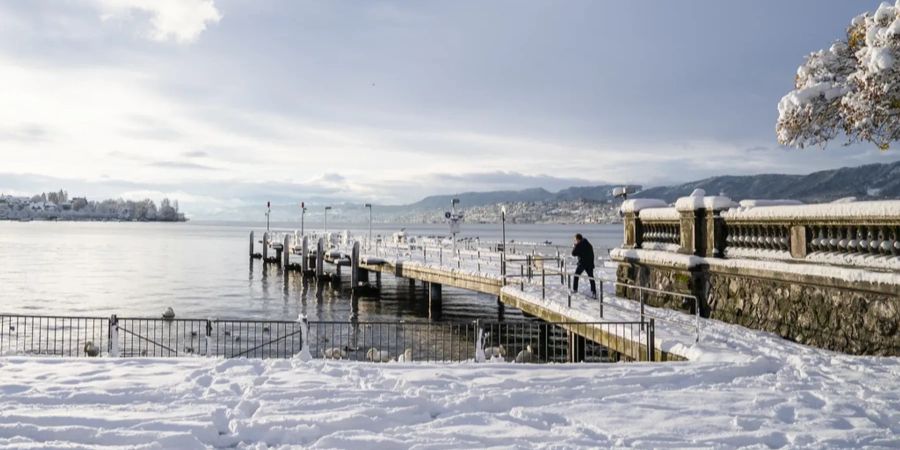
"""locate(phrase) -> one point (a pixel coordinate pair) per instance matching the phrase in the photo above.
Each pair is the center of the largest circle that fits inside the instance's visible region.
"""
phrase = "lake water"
(202, 270)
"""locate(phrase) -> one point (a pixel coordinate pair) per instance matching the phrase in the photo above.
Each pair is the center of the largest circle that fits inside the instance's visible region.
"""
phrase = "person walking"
(584, 251)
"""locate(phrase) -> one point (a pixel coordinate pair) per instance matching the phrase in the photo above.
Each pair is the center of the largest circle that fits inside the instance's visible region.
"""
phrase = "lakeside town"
(59, 206)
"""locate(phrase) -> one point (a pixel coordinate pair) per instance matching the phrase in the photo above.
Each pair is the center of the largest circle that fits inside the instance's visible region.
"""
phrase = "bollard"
(651, 341)
(251, 244)
(286, 251)
(522, 277)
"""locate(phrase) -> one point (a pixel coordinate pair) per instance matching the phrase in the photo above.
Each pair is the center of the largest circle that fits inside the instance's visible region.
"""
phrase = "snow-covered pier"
(534, 279)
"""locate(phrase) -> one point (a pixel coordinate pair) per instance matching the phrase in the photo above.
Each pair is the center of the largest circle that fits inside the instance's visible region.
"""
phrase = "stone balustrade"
(861, 234)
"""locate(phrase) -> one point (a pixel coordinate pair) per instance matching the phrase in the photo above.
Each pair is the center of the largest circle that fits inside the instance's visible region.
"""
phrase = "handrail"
(601, 281)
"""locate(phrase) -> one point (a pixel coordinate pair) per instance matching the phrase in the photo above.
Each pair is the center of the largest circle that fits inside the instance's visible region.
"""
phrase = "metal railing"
(566, 278)
(534, 342)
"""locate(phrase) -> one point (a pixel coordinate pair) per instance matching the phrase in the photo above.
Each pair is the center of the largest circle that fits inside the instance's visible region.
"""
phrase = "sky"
(225, 104)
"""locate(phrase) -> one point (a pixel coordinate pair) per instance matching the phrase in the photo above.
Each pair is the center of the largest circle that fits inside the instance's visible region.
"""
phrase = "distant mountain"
(469, 199)
(869, 181)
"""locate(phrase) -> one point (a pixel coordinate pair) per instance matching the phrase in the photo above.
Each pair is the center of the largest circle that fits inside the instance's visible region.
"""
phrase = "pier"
(532, 278)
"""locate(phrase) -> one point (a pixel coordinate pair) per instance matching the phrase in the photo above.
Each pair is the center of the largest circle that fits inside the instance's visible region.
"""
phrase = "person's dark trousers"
(590, 273)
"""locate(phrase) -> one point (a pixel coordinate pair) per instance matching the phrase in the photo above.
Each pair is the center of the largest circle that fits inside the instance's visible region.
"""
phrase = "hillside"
(869, 181)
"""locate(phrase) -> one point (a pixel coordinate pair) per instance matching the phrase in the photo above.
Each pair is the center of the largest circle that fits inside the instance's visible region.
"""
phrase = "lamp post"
(369, 205)
(302, 216)
(325, 224)
(503, 234)
(268, 213)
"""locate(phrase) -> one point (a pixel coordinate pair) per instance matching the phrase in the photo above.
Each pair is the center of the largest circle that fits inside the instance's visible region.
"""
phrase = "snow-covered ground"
(742, 388)
(797, 397)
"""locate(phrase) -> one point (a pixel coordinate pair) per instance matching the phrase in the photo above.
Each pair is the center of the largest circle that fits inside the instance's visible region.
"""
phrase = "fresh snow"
(667, 214)
(883, 208)
(776, 202)
(850, 275)
(637, 204)
(741, 388)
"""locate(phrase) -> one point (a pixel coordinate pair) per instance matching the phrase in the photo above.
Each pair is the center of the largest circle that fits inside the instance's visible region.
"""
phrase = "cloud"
(181, 165)
(179, 20)
(194, 154)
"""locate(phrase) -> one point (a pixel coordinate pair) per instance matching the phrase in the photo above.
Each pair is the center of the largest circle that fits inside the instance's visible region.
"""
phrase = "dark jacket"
(584, 251)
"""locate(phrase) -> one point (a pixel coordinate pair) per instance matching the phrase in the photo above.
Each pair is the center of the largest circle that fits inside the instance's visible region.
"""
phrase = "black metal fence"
(531, 342)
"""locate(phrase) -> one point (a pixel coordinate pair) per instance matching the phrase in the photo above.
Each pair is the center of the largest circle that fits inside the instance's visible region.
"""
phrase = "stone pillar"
(629, 223)
(798, 241)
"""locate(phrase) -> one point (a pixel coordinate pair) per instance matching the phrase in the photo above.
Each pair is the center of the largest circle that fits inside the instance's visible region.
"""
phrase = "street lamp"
(369, 205)
(503, 255)
(325, 225)
(302, 216)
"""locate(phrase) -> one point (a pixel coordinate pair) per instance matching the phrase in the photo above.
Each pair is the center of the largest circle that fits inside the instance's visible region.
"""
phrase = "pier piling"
(320, 258)
(304, 255)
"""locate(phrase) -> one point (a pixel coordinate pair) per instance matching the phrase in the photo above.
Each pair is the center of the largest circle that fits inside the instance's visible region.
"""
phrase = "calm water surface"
(202, 270)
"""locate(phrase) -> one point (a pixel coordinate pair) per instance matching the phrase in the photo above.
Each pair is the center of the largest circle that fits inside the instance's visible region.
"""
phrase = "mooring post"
(265, 244)
(320, 258)
(354, 265)
(286, 251)
(651, 341)
(251, 244)
(304, 251)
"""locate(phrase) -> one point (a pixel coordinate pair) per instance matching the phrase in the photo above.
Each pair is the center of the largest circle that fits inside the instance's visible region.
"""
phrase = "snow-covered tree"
(852, 87)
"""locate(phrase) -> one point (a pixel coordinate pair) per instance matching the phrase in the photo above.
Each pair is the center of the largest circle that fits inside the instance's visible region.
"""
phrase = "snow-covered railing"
(373, 341)
(859, 234)
(863, 234)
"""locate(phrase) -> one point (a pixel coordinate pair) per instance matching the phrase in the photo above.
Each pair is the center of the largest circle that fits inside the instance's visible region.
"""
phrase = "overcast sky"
(225, 103)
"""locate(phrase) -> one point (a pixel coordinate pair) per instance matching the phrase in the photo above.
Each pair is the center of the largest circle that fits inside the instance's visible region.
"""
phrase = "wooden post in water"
(286, 251)
(320, 258)
(251, 244)
(354, 265)
(304, 252)
(265, 244)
